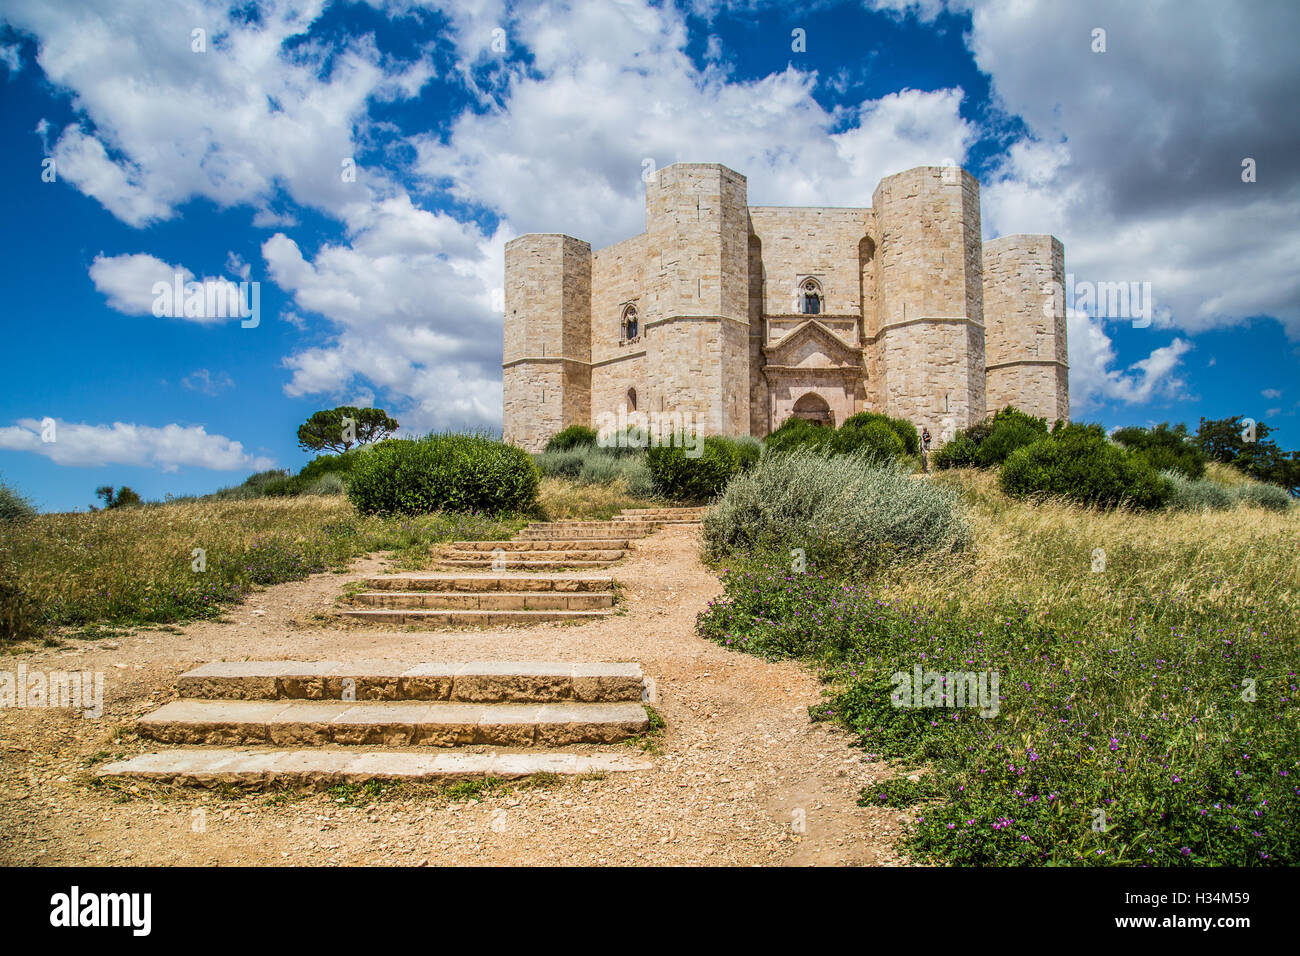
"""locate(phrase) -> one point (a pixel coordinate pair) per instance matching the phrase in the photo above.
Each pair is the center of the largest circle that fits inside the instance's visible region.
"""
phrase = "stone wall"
(929, 266)
(1025, 325)
(547, 350)
(697, 291)
(911, 296)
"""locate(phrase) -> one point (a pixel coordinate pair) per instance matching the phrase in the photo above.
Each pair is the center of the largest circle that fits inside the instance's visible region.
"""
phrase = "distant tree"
(1165, 447)
(122, 497)
(1227, 440)
(338, 429)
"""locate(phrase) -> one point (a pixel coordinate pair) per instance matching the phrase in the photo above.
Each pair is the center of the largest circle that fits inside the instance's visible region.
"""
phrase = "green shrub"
(322, 465)
(564, 464)
(575, 436)
(1168, 449)
(991, 441)
(797, 433)
(14, 506)
(1078, 462)
(680, 476)
(957, 452)
(1198, 495)
(846, 513)
(1263, 495)
(901, 427)
(329, 484)
(874, 439)
(1006, 437)
(444, 472)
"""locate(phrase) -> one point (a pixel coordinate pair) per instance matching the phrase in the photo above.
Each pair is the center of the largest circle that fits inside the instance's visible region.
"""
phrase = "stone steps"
(326, 768)
(542, 554)
(558, 530)
(303, 723)
(400, 723)
(488, 582)
(487, 600)
(529, 564)
(453, 618)
(471, 681)
(547, 544)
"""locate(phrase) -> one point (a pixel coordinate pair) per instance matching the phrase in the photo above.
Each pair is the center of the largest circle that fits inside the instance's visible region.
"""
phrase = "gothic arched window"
(631, 399)
(628, 328)
(810, 297)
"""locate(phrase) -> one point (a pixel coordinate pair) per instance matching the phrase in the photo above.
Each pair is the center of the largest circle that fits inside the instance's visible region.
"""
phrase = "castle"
(736, 317)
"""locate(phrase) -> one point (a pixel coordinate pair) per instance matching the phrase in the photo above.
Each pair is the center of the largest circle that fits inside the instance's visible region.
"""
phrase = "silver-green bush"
(1198, 494)
(846, 513)
(1272, 497)
(593, 465)
(1203, 494)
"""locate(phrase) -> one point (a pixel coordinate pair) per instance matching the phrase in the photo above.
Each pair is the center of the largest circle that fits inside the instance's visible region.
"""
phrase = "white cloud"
(127, 281)
(167, 448)
(202, 380)
(11, 57)
(1272, 393)
(409, 296)
(130, 281)
(1134, 156)
(1094, 379)
(233, 125)
(611, 85)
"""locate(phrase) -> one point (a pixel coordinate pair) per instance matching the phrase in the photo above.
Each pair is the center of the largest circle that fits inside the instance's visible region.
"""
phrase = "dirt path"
(737, 768)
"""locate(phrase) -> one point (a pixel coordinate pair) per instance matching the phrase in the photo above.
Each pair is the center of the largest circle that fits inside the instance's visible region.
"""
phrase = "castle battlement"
(740, 316)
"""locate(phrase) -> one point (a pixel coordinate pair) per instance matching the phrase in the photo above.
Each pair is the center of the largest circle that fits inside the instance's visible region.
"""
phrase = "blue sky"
(470, 123)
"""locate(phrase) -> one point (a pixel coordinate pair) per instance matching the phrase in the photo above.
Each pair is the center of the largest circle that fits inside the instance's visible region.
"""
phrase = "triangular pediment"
(812, 345)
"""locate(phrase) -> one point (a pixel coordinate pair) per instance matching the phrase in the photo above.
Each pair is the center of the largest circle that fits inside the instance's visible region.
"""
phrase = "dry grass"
(560, 499)
(138, 565)
(1042, 553)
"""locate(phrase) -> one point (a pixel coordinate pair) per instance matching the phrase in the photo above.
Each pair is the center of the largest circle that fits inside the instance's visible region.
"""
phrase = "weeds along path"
(736, 774)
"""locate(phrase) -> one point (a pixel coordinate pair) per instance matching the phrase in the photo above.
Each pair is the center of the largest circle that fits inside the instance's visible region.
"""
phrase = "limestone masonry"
(736, 317)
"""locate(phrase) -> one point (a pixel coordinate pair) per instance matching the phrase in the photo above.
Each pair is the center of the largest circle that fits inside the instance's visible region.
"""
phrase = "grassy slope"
(1124, 689)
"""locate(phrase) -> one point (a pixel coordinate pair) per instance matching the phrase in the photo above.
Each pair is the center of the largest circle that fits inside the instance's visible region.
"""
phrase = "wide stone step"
(469, 681)
(433, 617)
(488, 600)
(295, 723)
(327, 768)
(545, 544)
(539, 554)
(487, 582)
(653, 514)
(606, 529)
(521, 564)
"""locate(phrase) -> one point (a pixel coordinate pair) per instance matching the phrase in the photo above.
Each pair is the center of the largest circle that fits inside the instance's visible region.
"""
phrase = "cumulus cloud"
(410, 298)
(233, 124)
(141, 284)
(1094, 377)
(1134, 158)
(168, 448)
(611, 86)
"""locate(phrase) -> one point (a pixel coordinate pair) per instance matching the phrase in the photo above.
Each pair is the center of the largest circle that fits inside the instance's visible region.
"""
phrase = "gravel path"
(736, 770)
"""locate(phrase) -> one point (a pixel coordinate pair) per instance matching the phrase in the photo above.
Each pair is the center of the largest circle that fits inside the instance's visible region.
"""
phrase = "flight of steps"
(515, 582)
(257, 723)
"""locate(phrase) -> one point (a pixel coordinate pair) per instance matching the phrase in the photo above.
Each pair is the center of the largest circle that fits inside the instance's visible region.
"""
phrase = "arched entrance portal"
(815, 409)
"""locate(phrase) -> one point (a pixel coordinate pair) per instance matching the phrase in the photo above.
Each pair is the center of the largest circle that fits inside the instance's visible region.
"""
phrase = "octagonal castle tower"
(734, 317)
